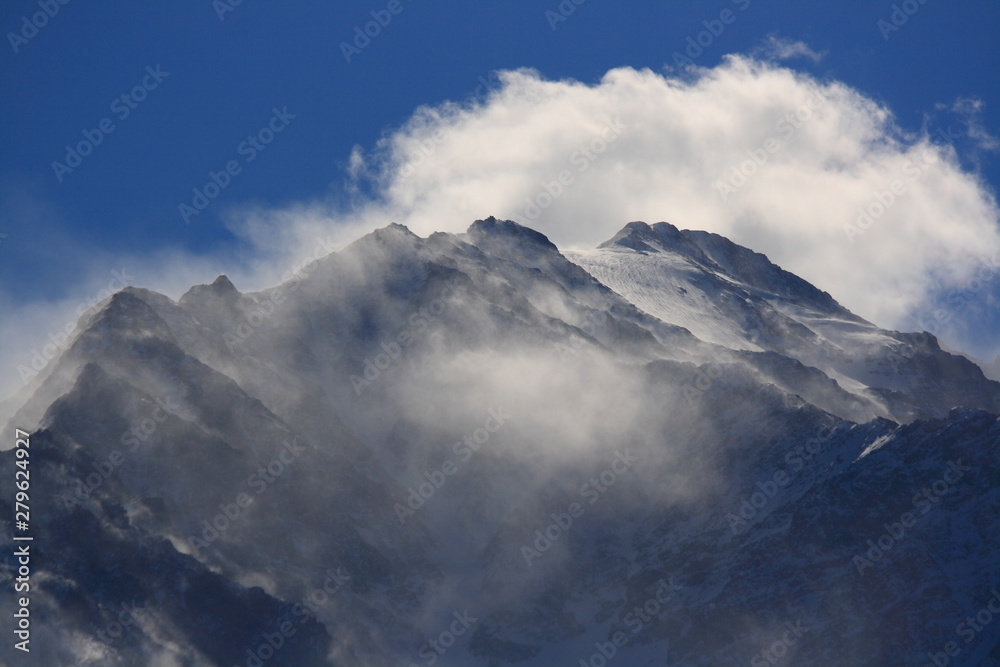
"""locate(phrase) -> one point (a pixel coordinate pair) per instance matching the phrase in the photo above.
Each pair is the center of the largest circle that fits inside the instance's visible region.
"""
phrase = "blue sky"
(225, 76)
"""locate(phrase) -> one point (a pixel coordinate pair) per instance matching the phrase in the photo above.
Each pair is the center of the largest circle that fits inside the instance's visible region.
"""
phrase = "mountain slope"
(473, 449)
(731, 296)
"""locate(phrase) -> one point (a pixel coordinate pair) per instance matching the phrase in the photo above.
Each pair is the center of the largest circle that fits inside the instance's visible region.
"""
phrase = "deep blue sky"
(226, 76)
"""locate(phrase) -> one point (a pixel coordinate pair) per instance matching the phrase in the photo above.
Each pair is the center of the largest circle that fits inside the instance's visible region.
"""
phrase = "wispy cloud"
(971, 111)
(779, 48)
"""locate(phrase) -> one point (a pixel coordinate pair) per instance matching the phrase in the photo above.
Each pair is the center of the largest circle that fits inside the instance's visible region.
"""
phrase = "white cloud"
(778, 48)
(814, 155)
(971, 110)
(827, 153)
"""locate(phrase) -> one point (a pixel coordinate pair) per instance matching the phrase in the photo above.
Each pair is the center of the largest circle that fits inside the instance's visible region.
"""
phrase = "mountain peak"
(392, 234)
(393, 238)
(126, 313)
(223, 284)
(395, 228)
(220, 288)
(660, 236)
(716, 253)
(491, 228)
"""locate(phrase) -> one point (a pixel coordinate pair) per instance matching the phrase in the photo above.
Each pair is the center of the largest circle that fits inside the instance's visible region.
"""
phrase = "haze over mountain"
(473, 449)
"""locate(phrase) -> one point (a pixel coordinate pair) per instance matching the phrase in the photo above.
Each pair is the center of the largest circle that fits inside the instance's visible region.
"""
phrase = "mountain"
(734, 297)
(474, 449)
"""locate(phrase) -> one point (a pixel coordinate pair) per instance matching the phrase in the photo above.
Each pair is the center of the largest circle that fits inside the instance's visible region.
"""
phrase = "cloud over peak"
(813, 173)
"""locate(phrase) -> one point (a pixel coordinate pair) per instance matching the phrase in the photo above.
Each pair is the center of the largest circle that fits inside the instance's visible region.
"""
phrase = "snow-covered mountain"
(729, 295)
(474, 449)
